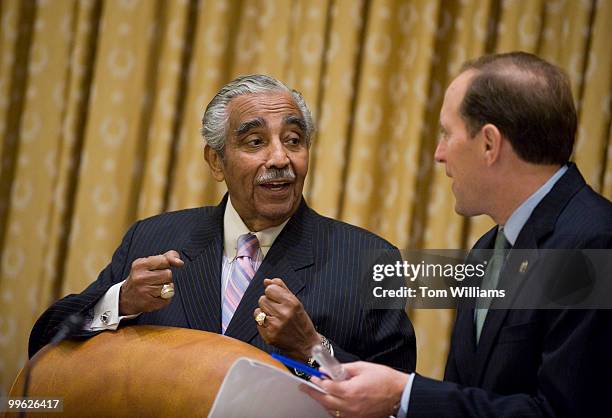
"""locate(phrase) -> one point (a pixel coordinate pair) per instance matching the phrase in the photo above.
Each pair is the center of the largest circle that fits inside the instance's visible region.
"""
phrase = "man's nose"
(440, 154)
(277, 157)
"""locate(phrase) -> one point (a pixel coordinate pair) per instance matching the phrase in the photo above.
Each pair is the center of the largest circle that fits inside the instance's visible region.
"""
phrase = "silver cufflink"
(105, 317)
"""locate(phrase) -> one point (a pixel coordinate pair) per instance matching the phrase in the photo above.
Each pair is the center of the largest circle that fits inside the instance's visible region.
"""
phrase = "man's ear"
(492, 140)
(215, 163)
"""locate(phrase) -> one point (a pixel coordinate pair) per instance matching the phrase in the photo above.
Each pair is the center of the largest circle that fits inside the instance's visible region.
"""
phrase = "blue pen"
(300, 366)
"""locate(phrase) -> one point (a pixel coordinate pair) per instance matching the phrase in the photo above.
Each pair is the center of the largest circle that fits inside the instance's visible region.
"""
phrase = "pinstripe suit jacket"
(317, 257)
(532, 363)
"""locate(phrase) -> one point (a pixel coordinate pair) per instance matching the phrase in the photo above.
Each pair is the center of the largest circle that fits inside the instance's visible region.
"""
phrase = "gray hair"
(215, 119)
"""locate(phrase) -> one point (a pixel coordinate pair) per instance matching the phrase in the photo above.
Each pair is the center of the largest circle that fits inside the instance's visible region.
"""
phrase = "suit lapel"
(512, 280)
(199, 281)
(464, 347)
(290, 253)
(540, 224)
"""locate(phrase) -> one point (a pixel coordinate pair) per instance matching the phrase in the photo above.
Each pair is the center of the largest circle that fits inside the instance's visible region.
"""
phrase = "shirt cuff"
(105, 315)
(403, 411)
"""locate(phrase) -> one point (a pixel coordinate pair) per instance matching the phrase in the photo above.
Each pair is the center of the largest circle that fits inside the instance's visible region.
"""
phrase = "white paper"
(256, 390)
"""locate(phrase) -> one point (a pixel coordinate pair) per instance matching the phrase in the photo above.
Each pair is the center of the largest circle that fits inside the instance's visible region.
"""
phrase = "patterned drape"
(101, 100)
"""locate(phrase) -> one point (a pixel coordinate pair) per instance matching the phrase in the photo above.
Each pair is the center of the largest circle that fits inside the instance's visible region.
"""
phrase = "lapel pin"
(523, 267)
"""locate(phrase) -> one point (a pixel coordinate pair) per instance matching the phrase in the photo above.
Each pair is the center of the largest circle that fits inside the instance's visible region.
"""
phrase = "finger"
(153, 290)
(256, 312)
(278, 294)
(353, 369)
(174, 258)
(269, 307)
(157, 262)
(140, 264)
(172, 254)
(263, 329)
(331, 387)
(277, 281)
(154, 277)
(316, 380)
(328, 401)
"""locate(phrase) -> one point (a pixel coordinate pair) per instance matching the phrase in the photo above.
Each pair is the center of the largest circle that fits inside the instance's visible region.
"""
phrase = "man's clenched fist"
(141, 291)
(287, 325)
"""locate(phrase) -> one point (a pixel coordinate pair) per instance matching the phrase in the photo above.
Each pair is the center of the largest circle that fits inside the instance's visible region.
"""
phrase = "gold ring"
(338, 414)
(261, 318)
(167, 291)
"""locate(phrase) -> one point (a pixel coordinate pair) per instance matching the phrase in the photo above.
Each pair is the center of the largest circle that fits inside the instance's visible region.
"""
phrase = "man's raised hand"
(142, 289)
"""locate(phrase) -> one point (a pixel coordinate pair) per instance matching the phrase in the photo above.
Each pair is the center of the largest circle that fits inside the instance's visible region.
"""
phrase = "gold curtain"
(101, 100)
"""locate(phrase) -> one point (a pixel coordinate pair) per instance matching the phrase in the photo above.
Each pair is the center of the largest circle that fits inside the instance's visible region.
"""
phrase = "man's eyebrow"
(295, 120)
(250, 124)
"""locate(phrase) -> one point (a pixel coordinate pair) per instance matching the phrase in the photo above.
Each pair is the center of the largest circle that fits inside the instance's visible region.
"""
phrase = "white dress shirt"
(233, 228)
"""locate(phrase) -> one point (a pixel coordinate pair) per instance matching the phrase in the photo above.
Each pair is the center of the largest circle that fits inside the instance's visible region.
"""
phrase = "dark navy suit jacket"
(320, 260)
(532, 363)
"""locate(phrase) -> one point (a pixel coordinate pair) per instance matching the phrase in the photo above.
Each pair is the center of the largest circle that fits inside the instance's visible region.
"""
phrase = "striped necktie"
(491, 279)
(243, 272)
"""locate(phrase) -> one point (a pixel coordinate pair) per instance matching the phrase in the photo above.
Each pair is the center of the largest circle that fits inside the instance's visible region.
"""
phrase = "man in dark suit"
(262, 266)
(508, 124)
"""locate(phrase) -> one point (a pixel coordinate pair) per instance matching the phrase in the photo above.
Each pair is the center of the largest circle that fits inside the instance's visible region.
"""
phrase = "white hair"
(215, 119)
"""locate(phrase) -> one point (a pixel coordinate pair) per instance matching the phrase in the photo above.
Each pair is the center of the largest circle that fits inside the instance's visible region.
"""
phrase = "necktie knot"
(248, 244)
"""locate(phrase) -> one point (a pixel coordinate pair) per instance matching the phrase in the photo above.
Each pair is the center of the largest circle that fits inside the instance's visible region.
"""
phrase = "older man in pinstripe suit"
(261, 253)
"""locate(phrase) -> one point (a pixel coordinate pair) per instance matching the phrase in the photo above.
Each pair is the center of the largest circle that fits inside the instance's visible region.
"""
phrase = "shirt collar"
(519, 217)
(233, 227)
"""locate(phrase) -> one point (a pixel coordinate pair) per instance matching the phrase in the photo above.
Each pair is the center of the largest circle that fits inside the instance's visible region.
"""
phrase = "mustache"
(276, 174)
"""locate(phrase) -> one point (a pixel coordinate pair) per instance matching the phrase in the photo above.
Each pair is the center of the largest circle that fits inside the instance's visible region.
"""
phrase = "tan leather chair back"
(137, 371)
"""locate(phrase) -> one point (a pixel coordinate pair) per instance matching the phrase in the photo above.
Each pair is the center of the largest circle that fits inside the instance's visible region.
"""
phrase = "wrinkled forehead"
(262, 106)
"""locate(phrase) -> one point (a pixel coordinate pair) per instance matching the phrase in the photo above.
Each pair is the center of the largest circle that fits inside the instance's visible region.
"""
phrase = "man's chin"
(467, 211)
(459, 211)
(276, 213)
